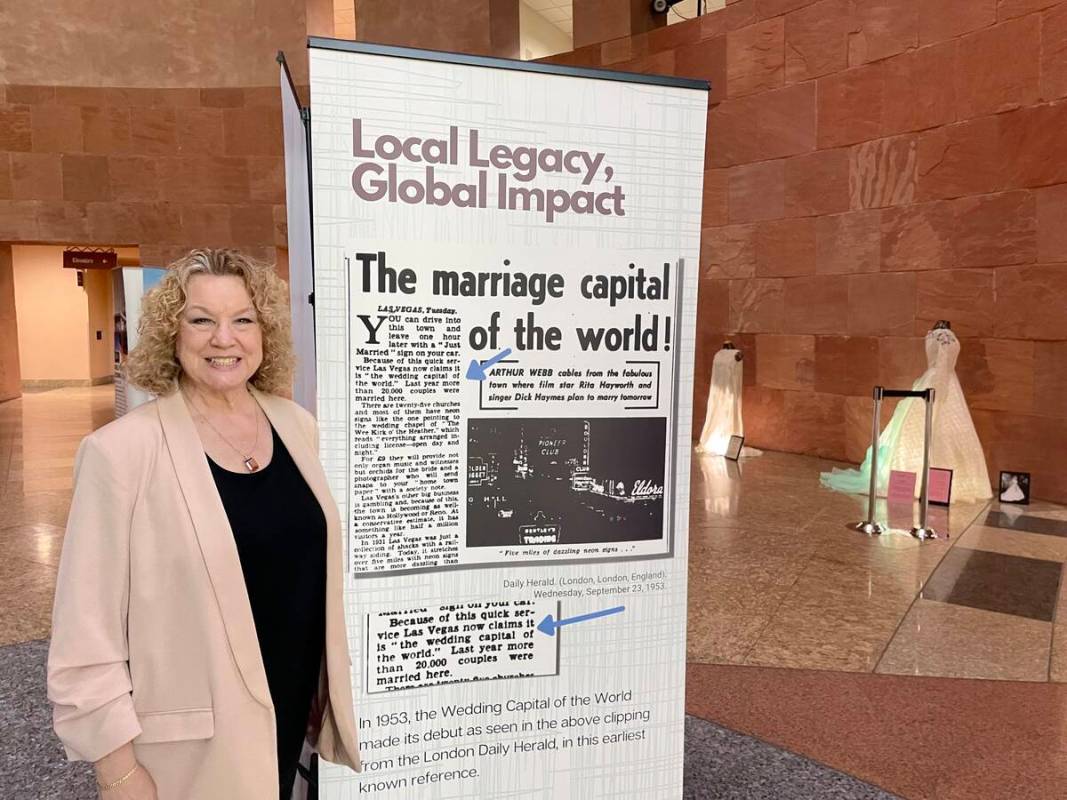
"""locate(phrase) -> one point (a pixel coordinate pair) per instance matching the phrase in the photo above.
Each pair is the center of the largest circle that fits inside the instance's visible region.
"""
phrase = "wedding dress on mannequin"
(723, 417)
(955, 442)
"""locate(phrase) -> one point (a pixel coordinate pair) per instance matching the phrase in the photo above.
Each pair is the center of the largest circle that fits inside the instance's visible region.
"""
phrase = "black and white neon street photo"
(565, 481)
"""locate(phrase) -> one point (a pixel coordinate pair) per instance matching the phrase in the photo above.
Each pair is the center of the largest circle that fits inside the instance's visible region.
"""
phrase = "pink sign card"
(901, 487)
(939, 489)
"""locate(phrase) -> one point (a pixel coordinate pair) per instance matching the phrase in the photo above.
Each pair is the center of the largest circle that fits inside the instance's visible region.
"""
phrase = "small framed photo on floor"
(1014, 488)
(939, 487)
(733, 448)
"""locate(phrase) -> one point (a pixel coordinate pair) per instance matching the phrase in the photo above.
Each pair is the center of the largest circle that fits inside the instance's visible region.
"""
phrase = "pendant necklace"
(247, 458)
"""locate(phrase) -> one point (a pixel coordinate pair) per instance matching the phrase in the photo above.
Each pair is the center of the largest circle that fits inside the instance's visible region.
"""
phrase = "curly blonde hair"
(153, 363)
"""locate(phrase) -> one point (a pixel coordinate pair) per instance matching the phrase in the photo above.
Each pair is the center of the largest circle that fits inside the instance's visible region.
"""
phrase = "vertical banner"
(298, 227)
(505, 286)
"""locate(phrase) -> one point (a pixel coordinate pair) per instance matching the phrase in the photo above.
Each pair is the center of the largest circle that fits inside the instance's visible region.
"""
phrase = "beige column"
(10, 378)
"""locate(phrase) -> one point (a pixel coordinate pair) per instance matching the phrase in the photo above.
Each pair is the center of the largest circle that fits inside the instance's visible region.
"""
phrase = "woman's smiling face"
(220, 343)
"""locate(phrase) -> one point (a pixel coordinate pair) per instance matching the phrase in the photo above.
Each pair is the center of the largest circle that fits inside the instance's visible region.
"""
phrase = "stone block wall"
(479, 27)
(160, 130)
(874, 166)
(166, 169)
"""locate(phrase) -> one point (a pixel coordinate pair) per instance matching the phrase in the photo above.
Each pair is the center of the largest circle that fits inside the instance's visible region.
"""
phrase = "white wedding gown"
(955, 443)
(1013, 494)
(723, 417)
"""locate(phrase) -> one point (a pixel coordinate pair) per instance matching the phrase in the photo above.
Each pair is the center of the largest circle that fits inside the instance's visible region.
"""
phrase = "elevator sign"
(90, 259)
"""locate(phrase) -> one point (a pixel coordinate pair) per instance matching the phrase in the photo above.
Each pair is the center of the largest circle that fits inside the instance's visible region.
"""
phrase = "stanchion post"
(922, 530)
(869, 526)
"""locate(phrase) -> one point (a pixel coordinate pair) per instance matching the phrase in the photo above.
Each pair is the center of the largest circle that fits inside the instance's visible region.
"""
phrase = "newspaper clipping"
(460, 642)
(513, 407)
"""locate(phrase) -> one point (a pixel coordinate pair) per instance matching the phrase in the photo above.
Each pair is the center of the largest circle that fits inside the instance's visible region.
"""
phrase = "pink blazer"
(152, 633)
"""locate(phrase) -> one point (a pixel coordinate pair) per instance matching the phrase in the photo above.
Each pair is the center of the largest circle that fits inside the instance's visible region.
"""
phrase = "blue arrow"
(549, 625)
(476, 371)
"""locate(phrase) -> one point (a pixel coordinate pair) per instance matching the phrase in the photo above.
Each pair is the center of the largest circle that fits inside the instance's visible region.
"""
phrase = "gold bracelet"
(115, 784)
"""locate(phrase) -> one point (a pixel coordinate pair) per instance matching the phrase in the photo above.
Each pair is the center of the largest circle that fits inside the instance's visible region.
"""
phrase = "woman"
(198, 631)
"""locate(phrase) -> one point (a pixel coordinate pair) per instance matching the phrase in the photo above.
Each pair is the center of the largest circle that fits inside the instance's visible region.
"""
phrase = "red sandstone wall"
(873, 166)
(481, 27)
(159, 128)
(166, 169)
(598, 20)
(154, 43)
(163, 132)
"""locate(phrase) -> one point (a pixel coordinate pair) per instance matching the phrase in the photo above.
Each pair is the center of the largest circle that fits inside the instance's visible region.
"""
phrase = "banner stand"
(503, 340)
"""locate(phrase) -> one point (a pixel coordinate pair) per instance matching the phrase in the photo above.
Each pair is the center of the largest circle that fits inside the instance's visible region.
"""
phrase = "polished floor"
(777, 579)
(39, 435)
(929, 669)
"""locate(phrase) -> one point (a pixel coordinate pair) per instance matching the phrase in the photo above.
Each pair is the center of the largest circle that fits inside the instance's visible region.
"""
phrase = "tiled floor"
(846, 623)
(39, 435)
(778, 580)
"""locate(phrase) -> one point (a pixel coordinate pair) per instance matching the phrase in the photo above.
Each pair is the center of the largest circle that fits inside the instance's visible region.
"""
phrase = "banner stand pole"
(923, 531)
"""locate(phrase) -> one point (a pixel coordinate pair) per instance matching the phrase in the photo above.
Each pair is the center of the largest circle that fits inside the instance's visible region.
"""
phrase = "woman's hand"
(116, 765)
(140, 786)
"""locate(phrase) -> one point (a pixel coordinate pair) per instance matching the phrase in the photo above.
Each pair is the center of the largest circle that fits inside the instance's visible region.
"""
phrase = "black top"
(280, 532)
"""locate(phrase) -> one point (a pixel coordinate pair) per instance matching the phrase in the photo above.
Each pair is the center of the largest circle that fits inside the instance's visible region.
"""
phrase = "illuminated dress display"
(723, 417)
(955, 442)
